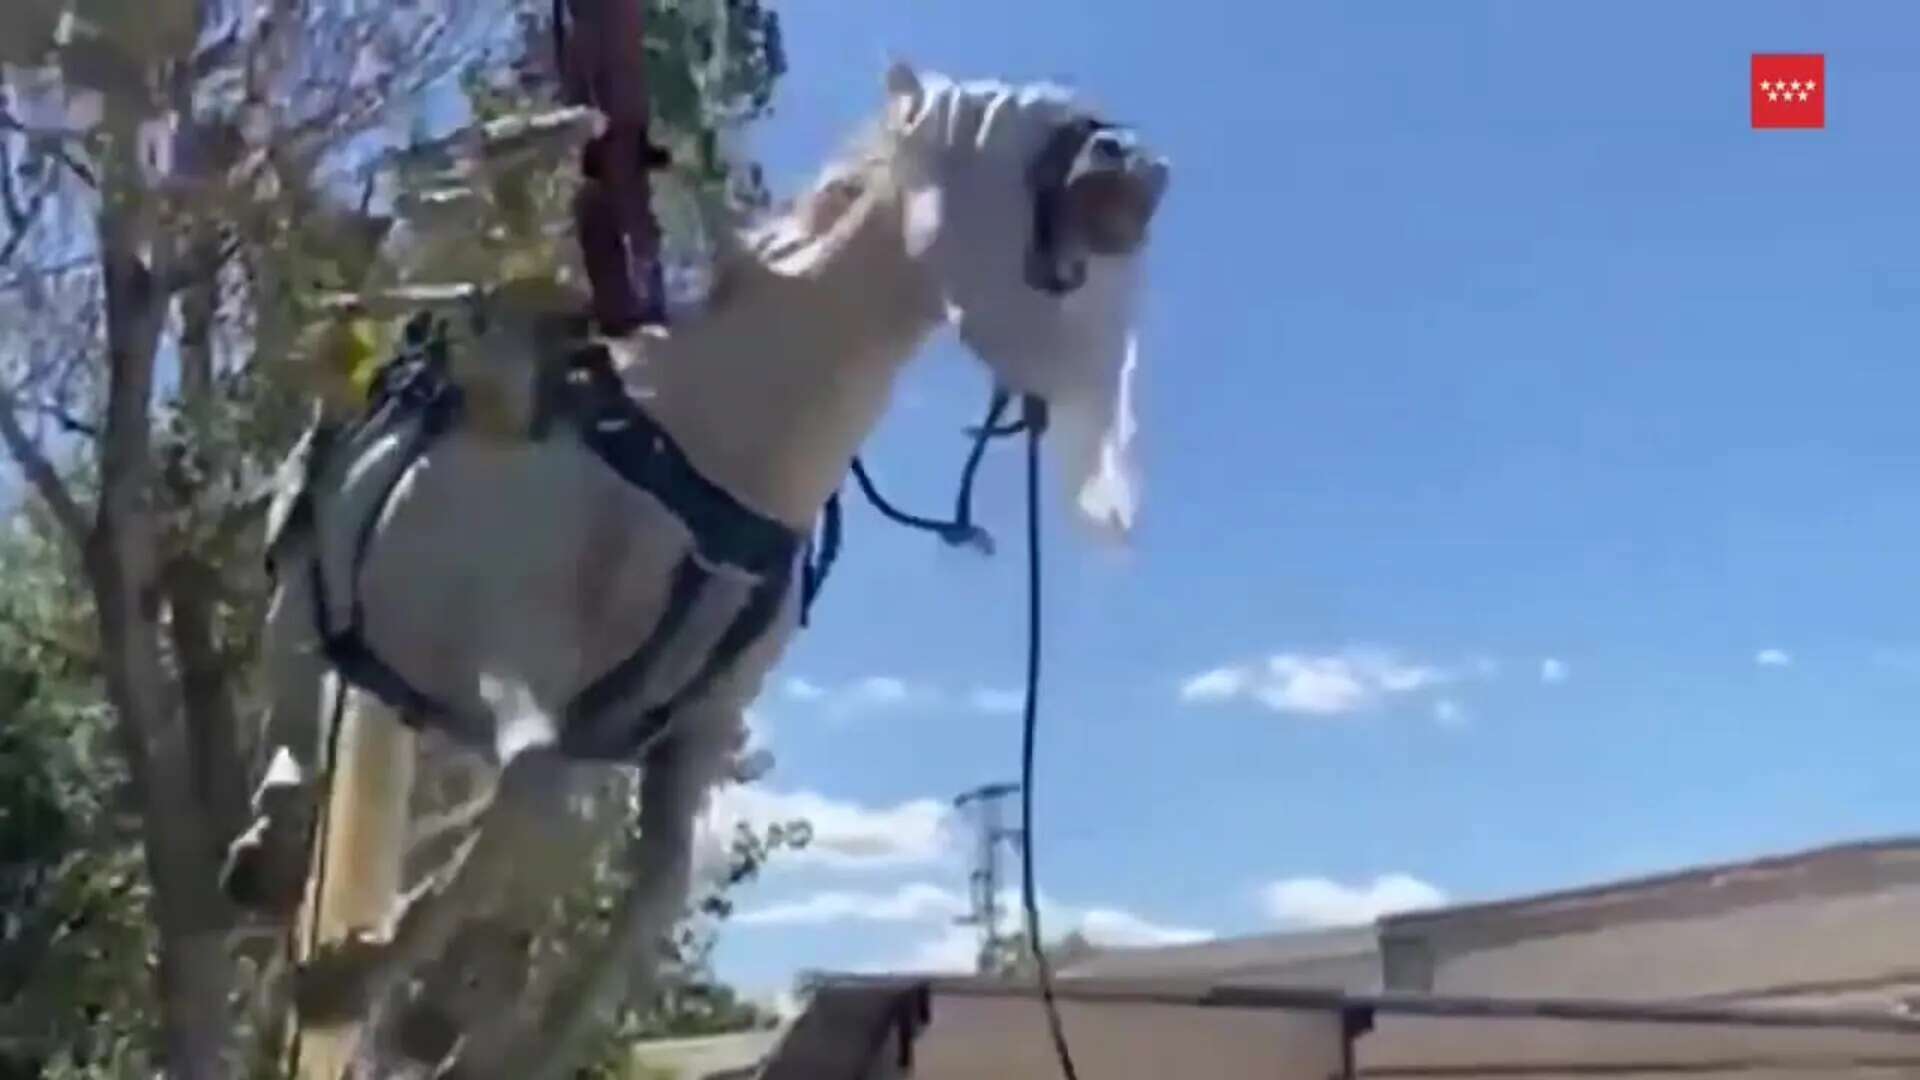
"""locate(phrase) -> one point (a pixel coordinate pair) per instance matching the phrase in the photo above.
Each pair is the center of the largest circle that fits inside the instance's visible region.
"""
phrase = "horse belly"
(530, 562)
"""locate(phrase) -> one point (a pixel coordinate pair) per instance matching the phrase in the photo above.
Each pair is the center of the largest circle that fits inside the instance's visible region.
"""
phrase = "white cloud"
(1773, 658)
(956, 948)
(1114, 928)
(1320, 685)
(866, 694)
(928, 903)
(1220, 684)
(916, 902)
(756, 757)
(878, 690)
(800, 689)
(952, 948)
(988, 700)
(1449, 713)
(1320, 902)
(846, 835)
(1554, 671)
(1331, 684)
(759, 728)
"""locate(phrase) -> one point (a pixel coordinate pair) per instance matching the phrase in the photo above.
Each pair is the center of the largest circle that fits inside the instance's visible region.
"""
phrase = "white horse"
(546, 608)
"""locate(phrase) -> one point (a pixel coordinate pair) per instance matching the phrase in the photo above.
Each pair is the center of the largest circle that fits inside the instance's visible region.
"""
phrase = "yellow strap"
(346, 358)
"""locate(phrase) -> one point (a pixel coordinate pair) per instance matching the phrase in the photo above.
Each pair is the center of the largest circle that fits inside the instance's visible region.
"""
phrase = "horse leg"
(680, 771)
(476, 990)
(512, 839)
(477, 984)
(266, 866)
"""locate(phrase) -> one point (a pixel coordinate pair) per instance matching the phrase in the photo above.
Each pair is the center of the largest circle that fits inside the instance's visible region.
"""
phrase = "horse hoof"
(336, 983)
(265, 872)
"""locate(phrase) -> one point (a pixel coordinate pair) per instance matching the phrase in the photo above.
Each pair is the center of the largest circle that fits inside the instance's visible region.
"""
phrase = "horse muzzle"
(1112, 189)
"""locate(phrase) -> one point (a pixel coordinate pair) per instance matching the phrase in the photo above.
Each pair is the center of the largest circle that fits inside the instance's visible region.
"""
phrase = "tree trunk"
(123, 569)
(217, 752)
(219, 747)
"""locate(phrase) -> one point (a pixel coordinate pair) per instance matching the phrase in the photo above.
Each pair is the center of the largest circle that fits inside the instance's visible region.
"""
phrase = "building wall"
(975, 1037)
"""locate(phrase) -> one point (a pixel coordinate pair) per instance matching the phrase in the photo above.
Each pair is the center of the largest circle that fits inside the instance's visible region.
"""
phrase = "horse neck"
(772, 392)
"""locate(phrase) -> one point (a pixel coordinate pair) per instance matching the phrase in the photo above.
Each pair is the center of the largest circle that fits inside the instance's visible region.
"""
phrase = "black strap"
(417, 382)
(583, 732)
(815, 566)
(755, 616)
(614, 427)
(631, 443)
(1051, 174)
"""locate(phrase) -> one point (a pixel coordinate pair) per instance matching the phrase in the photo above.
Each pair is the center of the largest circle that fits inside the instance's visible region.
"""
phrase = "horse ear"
(904, 92)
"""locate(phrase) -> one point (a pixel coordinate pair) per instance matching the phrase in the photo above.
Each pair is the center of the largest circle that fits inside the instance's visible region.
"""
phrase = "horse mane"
(864, 166)
(750, 244)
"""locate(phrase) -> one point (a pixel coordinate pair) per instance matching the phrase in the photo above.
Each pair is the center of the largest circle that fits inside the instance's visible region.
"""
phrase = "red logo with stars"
(1789, 90)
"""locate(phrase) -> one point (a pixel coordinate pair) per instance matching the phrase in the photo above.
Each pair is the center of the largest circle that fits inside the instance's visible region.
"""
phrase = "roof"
(1131, 1029)
(1835, 870)
(1311, 958)
(1694, 918)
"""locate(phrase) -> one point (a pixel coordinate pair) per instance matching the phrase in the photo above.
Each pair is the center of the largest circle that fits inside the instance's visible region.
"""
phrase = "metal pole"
(984, 880)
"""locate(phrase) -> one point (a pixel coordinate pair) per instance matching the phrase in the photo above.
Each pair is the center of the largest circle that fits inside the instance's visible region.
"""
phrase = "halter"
(1070, 155)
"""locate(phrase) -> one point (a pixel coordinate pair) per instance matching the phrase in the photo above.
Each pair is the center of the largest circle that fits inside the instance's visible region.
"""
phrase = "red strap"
(602, 63)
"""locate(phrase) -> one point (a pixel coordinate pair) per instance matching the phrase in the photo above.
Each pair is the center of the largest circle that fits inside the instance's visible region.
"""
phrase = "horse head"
(1030, 213)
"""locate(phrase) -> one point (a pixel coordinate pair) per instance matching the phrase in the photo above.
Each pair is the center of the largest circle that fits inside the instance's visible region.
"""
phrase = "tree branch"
(41, 473)
(53, 141)
(66, 420)
(9, 195)
(85, 263)
(430, 833)
(205, 264)
(20, 218)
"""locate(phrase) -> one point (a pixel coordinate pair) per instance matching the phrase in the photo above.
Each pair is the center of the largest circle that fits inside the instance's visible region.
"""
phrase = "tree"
(74, 942)
(692, 1002)
(178, 179)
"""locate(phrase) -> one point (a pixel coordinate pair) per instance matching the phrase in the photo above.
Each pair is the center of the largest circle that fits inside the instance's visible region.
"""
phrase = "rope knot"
(962, 534)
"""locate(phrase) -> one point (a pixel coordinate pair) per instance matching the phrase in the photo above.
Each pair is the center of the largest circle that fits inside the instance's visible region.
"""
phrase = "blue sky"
(1481, 335)
(1533, 493)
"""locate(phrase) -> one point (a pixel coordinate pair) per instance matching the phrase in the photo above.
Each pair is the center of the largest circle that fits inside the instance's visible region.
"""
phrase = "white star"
(1795, 84)
(1811, 85)
(1803, 95)
(1771, 96)
(1765, 85)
